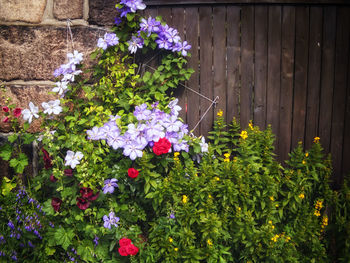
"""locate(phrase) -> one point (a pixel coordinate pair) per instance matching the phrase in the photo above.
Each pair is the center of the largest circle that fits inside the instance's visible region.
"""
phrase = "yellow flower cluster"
(272, 198)
(272, 226)
(324, 223)
(184, 199)
(220, 113)
(209, 242)
(276, 237)
(318, 207)
(244, 135)
(176, 156)
(217, 178)
(227, 157)
(316, 139)
(302, 196)
(171, 240)
(251, 125)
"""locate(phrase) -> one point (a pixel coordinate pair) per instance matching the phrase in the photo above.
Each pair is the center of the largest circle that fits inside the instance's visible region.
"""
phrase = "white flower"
(52, 106)
(61, 87)
(134, 44)
(29, 113)
(73, 159)
(75, 57)
(204, 145)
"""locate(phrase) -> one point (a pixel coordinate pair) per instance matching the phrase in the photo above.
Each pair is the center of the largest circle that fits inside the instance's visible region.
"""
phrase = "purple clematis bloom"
(109, 39)
(133, 150)
(163, 43)
(172, 35)
(110, 220)
(142, 113)
(150, 25)
(110, 184)
(134, 5)
(115, 140)
(182, 47)
(134, 44)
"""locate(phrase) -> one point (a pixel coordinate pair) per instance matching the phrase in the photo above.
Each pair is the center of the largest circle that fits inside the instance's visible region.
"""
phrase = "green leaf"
(63, 237)
(7, 186)
(5, 152)
(50, 251)
(19, 163)
(12, 138)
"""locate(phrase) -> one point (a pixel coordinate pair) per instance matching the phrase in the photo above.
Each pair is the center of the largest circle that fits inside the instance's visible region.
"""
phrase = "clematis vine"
(52, 107)
(110, 220)
(28, 114)
(109, 185)
(73, 159)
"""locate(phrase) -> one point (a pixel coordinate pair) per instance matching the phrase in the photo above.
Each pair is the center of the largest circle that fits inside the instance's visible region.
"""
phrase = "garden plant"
(121, 178)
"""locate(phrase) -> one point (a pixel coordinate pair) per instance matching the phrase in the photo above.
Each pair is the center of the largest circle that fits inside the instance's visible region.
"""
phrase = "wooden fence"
(284, 63)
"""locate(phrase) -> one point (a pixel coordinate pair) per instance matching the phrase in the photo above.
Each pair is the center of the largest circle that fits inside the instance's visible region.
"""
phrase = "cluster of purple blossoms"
(152, 125)
(109, 185)
(108, 40)
(68, 71)
(168, 37)
(130, 6)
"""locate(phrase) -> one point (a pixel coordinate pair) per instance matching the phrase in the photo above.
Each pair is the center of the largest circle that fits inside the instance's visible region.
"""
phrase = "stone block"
(21, 95)
(33, 53)
(30, 11)
(64, 9)
(102, 12)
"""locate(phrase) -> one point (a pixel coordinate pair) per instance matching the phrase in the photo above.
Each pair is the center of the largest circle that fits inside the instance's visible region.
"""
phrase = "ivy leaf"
(5, 152)
(63, 237)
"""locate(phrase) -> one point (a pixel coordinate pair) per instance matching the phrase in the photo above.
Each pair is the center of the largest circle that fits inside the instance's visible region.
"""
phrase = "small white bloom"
(73, 159)
(61, 87)
(52, 106)
(204, 145)
(75, 57)
(28, 114)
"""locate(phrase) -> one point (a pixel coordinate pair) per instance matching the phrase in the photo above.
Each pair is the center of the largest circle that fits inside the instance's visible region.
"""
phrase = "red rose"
(133, 173)
(17, 112)
(162, 146)
(53, 178)
(68, 172)
(47, 159)
(82, 203)
(122, 251)
(56, 203)
(5, 109)
(124, 242)
(6, 119)
(132, 249)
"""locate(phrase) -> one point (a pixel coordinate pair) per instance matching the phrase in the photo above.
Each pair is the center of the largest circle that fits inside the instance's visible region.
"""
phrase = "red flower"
(5, 109)
(124, 242)
(47, 159)
(6, 119)
(133, 173)
(87, 193)
(122, 251)
(68, 172)
(17, 112)
(53, 178)
(162, 146)
(56, 203)
(132, 249)
(82, 203)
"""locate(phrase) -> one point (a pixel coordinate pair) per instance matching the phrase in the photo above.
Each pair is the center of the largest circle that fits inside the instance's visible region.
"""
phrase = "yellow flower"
(273, 227)
(239, 209)
(251, 125)
(324, 221)
(217, 178)
(306, 154)
(303, 162)
(275, 238)
(301, 196)
(316, 139)
(170, 240)
(244, 135)
(287, 238)
(226, 160)
(209, 242)
(176, 154)
(271, 198)
(270, 222)
(176, 249)
(220, 113)
(319, 204)
(196, 175)
(317, 213)
(184, 199)
(210, 196)
(227, 155)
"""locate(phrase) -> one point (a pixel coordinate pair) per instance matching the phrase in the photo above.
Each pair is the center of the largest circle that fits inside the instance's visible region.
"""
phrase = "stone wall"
(33, 43)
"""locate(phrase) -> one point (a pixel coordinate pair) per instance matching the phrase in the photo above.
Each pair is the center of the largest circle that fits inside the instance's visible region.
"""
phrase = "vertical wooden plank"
(233, 61)
(339, 95)
(206, 62)
(300, 73)
(314, 76)
(152, 58)
(287, 76)
(178, 22)
(274, 70)
(165, 13)
(260, 70)
(246, 94)
(191, 23)
(346, 143)
(219, 59)
(327, 76)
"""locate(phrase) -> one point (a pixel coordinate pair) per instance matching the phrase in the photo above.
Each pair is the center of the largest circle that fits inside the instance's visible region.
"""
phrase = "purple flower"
(11, 225)
(172, 35)
(96, 240)
(107, 129)
(155, 132)
(110, 184)
(111, 220)
(142, 113)
(172, 124)
(172, 216)
(109, 39)
(30, 244)
(134, 5)
(75, 57)
(124, 11)
(133, 151)
(94, 133)
(182, 47)
(163, 43)
(134, 44)
(150, 25)
(115, 140)
(117, 21)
